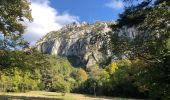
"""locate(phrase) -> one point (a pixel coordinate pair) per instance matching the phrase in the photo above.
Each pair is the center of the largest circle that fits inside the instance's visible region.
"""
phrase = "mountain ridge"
(81, 43)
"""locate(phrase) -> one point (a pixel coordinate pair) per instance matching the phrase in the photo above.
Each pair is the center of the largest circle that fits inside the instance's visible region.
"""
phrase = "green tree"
(150, 45)
(56, 76)
(13, 13)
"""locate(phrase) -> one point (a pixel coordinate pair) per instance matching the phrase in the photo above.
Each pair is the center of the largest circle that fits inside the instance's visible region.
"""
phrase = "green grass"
(34, 95)
(42, 95)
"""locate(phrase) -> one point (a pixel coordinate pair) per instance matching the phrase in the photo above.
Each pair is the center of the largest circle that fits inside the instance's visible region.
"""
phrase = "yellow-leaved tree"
(112, 68)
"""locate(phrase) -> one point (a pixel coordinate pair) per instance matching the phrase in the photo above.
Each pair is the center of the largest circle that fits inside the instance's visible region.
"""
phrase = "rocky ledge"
(84, 44)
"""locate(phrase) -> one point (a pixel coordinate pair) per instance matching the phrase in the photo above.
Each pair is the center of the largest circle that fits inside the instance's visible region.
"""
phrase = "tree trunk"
(94, 89)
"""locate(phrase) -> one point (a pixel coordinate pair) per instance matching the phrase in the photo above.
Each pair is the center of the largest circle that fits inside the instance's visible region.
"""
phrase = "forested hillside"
(126, 58)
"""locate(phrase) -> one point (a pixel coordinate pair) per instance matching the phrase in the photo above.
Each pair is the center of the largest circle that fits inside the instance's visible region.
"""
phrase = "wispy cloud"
(46, 19)
(115, 4)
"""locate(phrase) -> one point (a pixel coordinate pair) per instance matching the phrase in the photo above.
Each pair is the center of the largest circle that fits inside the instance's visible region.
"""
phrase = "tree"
(149, 45)
(79, 75)
(112, 68)
(12, 14)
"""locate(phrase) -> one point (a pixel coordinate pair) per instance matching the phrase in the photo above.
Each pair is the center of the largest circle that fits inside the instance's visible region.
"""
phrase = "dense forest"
(141, 68)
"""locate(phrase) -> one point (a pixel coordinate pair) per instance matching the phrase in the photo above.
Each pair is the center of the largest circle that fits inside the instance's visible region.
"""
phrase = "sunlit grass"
(42, 95)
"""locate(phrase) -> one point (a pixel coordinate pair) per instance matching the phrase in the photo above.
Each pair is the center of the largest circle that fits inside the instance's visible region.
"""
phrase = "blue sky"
(90, 10)
(52, 15)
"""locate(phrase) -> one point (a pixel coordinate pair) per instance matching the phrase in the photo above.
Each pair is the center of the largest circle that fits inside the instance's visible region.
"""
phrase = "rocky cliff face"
(81, 43)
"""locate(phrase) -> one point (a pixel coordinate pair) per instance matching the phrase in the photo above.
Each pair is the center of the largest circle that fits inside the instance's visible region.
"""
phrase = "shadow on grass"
(113, 98)
(7, 97)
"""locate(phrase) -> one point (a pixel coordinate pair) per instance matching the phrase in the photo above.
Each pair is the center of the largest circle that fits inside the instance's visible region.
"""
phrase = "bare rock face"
(81, 43)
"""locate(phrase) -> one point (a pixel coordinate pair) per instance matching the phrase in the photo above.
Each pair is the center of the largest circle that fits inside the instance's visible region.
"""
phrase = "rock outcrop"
(81, 43)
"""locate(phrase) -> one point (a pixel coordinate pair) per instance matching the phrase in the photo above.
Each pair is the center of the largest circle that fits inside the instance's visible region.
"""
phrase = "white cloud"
(115, 4)
(46, 19)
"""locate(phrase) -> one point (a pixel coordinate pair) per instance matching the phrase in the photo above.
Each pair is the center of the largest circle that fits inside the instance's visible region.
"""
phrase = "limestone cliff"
(81, 43)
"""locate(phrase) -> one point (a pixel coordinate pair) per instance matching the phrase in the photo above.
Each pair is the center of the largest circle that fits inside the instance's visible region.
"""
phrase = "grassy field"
(41, 95)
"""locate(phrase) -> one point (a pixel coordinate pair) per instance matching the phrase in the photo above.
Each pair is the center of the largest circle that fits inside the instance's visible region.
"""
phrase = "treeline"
(26, 71)
(29, 71)
(118, 79)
